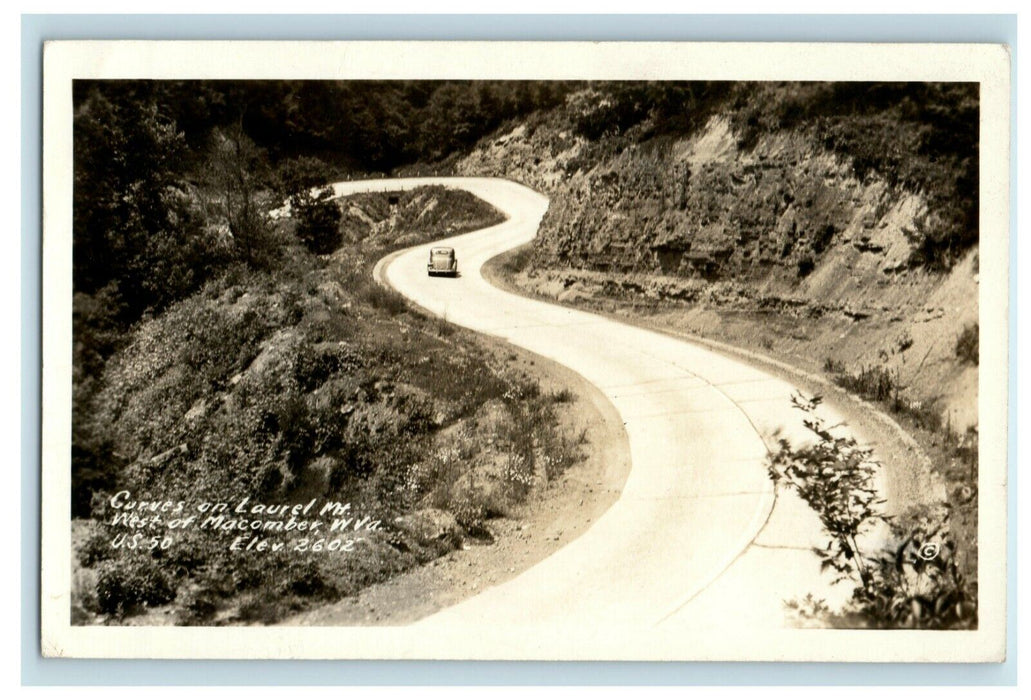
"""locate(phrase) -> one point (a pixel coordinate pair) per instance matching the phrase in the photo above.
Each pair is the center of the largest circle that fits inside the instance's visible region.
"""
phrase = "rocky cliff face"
(784, 226)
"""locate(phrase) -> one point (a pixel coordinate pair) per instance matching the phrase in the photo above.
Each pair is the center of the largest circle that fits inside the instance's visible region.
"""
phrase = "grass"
(880, 384)
(564, 395)
(518, 261)
(383, 298)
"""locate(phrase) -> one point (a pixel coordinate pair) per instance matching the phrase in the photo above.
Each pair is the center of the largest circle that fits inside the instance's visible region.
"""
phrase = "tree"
(125, 159)
(318, 220)
(236, 173)
(303, 181)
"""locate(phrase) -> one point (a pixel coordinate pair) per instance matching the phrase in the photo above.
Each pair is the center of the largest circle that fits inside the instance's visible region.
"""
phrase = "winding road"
(699, 537)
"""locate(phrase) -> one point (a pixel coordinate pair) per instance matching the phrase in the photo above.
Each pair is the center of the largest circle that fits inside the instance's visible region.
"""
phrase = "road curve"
(695, 539)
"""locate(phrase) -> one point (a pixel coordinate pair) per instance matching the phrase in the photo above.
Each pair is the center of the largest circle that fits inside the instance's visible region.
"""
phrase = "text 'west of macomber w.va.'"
(245, 516)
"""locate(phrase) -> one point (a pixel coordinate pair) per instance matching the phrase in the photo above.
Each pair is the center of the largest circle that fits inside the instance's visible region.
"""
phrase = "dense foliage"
(306, 382)
(172, 178)
(311, 203)
(169, 174)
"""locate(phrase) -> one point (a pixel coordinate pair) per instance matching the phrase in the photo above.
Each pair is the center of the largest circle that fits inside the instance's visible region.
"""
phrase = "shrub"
(876, 383)
(124, 585)
(805, 266)
(197, 608)
(314, 364)
(295, 431)
(443, 328)
(917, 582)
(260, 609)
(834, 476)
(384, 299)
(354, 463)
(96, 548)
(913, 582)
(564, 395)
(967, 344)
(318, 221)
(306, 580)
(833, 366)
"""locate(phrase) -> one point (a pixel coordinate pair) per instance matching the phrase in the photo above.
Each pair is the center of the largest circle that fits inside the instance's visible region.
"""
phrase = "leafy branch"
(914, 579)
(834, 476)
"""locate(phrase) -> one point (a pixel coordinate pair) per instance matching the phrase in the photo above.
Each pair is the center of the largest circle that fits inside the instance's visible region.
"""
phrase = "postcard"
(517, 350)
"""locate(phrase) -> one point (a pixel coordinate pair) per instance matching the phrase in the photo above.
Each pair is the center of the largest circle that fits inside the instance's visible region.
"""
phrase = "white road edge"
(699, 537)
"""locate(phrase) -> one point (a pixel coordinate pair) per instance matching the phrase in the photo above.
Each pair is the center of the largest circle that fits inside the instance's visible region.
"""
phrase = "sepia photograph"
(680, 362)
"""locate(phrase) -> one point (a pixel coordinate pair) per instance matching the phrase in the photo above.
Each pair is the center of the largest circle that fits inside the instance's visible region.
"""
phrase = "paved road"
(699, 538)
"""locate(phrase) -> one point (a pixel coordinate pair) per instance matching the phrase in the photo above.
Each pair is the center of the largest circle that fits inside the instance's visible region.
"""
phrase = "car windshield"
(442, 252)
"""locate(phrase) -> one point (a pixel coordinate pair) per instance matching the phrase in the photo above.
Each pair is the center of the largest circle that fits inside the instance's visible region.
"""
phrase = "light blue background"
(849, 28)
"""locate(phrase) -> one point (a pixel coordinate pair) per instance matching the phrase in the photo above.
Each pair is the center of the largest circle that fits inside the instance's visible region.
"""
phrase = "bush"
(318, 222)
(260, 609)
(123, 586)
(96, 548)
(197, 608)
(833, 366)
(913, 582)
(384, 299)
(306, 580)
(967, 344)
(875, 383)
(917, 583)
(834, 476)
(564, 395)
(314, 364)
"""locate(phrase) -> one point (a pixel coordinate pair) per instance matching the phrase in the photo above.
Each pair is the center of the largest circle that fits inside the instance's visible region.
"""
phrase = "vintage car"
(442, 261)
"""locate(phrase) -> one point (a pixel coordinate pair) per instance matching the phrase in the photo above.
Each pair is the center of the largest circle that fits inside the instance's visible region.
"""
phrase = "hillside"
(306, 382)
(845, 266)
